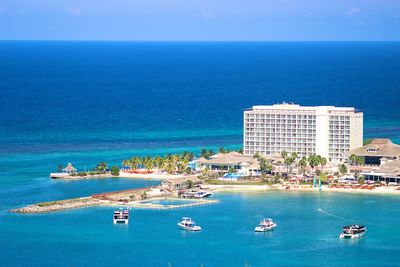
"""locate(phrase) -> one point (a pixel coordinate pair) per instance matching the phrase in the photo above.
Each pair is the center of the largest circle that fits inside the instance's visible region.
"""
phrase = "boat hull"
(121, 221)
(264, 229)
(351, 236)
(189, 228)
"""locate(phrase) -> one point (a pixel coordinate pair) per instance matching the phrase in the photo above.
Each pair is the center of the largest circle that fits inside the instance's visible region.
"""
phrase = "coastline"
(150, 176)
(304, 188)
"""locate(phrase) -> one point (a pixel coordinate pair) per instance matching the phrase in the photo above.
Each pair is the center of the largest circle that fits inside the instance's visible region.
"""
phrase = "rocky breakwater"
(60, 205)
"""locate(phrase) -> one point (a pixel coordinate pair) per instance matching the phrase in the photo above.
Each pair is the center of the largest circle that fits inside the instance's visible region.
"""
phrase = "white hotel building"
(324, 130)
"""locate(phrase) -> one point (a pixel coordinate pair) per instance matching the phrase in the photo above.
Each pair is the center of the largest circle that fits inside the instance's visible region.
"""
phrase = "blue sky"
(204, 20)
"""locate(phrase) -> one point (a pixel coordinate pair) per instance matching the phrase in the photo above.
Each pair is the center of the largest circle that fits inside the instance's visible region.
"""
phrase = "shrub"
(114, 171)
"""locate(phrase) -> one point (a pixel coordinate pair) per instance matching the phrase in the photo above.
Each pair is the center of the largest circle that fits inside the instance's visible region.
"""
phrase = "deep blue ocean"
(85, 102)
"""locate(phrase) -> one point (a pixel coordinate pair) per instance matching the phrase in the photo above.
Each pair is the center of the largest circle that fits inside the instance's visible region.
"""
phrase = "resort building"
(243, 164)
(379, 149)
(324, 130)
(388, 172)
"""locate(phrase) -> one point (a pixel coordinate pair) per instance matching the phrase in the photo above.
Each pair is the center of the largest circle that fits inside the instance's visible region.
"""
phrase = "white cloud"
(353, 11)
(75, 11)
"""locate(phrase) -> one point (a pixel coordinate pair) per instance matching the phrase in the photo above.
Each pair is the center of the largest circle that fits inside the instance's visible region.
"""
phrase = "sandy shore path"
(304, 188)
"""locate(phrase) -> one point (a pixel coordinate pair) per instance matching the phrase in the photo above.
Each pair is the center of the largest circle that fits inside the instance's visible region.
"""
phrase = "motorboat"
(265, 225)
(121, 216)
(353, 231)
(188, 224)
(202, 194)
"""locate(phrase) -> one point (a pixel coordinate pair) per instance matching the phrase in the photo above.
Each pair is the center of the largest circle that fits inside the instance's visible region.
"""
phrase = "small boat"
(202, 194)
(265, 225)
(188, 224)
(121, 216)
(353, 231)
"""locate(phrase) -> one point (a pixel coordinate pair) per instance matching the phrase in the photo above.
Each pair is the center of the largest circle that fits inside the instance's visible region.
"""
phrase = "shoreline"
(304, 188)
(76, 203)
(150, 176)
(132, 197)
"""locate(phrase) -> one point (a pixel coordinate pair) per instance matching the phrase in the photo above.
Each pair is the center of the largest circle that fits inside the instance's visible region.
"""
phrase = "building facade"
(324, 130)
(376, 151)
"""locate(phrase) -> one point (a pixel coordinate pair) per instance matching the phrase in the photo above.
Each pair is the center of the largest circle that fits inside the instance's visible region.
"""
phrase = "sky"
(201, 20)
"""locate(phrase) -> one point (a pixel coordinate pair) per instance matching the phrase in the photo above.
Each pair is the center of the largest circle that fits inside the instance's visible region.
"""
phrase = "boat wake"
(355, 220)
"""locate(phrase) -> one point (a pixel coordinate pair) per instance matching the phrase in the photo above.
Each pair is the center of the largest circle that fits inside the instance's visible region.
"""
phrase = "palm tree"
(265, 166)
(222, 150)
(342, 169)
(303, 164)
(353, 159)
(169, 166)
(102, 167)
(288, 162)
(158, 162)
(125, 163)
(322, 162)
(288, 159)
(210, 153)
(204, 153)
(313, 161)
(148, 163)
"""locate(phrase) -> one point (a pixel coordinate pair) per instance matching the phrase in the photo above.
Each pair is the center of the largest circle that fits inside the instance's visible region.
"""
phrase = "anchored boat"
(188, 224)
(265, 225)
(202, 194)
(121, 216)
(353, 231)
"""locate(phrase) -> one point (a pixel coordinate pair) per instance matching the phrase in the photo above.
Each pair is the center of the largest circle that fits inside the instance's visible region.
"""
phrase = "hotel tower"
(324, 130)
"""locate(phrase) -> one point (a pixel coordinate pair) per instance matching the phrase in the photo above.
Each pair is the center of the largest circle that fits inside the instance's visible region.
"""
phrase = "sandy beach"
(303, 188)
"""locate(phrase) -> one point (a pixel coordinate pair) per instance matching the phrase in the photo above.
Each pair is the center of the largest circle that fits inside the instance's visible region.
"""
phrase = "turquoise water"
(85, 102)
(304, 236)
(167, 202)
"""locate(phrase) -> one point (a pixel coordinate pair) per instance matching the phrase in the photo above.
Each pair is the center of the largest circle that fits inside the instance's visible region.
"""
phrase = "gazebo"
(69, 169)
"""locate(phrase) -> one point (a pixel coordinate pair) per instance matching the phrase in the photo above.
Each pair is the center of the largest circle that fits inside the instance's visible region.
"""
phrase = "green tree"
(204, 153)
(189, 183)
(222, 150)
(102, 167)
(148, 163)
(158, 162)
(303, 164)
(114, 171)
(265, 166)
(322, 163)
(342, 169)
(169, 166)
(313, 161)
(353, 159)
(284, 154)
(125, 163)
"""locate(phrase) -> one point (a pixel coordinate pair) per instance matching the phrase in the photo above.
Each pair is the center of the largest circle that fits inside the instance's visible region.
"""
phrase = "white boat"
(188, 224)
(201, 194)
(353, 231)
(121, 216)
(265, 225)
